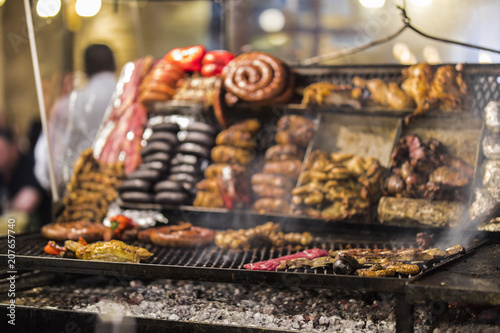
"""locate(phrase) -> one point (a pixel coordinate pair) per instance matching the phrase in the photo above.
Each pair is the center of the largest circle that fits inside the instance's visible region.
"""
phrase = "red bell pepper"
(221, 57)
(211, 69)
(214, 62)
(188, 58)
(53, 248)
(120, 223)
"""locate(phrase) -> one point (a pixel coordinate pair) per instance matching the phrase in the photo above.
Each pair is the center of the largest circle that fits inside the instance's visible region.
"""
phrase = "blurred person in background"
(76, 117)
(19, 189)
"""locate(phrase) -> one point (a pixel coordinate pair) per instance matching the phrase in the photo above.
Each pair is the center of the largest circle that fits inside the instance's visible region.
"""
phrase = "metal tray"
(361, 135)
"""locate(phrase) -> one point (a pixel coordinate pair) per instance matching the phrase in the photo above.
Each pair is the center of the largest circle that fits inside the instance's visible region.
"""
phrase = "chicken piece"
(290, 169)
(376, 271)
(417, 84)
(309, 176)
(330, 94)
(314, 198)
(448, 87)
(307, 188)
(271, 205)
(283, 152)
(338, 173)
(262, 234)
(336, 211)
(235, 138)
(113, 250)
(250, 125)
(397, 98)
(390, 94)
(231, 155)
(269, 179)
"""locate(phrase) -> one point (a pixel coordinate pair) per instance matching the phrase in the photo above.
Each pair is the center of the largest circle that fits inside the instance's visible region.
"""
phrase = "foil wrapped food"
(491, 146)
(484, 205)
(491, 176)
(492, 116)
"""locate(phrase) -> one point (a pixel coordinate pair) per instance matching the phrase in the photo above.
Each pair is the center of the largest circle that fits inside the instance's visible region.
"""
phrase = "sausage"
(255, 76)
(89, 231)
(269, 179)
(184, 235)
(264, 191)
(231, 155)
(249, 125)
(283, 152)
(290, 169)
(271, 205)
(215, 170)
(235, 138)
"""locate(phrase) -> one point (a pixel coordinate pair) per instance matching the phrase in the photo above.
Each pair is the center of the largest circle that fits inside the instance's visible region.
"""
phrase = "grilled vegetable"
(53, 248)
(188, 58)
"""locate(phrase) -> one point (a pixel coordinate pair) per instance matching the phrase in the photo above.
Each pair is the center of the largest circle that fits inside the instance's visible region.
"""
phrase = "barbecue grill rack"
(210, 263)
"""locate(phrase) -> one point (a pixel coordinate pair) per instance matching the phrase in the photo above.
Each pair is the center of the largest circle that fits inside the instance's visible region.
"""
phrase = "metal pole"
(39, 91)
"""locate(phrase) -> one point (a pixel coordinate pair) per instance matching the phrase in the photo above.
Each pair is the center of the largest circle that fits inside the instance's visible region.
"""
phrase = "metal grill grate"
(207, 264)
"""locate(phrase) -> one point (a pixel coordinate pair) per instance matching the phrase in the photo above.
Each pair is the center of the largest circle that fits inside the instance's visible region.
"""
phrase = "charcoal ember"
(484, 206)
(345, 264)
(491, 146)
(492, 116)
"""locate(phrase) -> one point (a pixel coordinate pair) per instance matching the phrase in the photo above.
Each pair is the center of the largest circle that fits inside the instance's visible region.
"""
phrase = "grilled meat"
(231, 155)
(281, 262)
(337, 186)
(324, 93)
(424, 169)
(283, 152)
(113, 250)
(293, 129)
(215, 170)
(272, 180)
(290, 168)
(250, 125)
(268, 233)
(390, 95)
(73, 231)
(182, 235)
(209, 200)
(271, 205)
(235, 138)
(448, 87)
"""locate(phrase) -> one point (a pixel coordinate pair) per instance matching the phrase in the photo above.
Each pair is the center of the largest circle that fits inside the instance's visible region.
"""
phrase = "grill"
(209, 264)
(215, 265)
